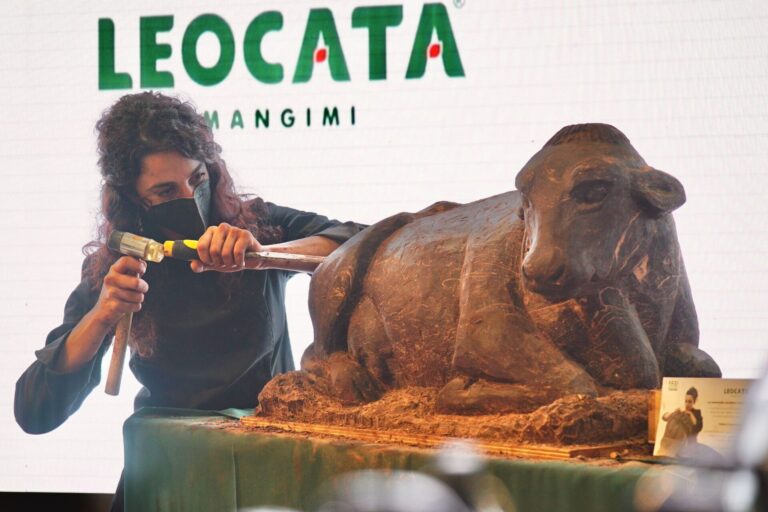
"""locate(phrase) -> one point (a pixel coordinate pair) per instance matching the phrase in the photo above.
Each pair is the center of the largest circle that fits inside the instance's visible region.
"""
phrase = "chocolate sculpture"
(572, 285)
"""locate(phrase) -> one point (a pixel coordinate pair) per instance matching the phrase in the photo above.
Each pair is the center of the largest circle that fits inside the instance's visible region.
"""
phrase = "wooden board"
(431, 441)
(654, 410)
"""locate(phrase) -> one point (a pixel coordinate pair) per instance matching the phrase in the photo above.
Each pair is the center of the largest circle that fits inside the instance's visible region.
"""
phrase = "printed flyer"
(698, 411)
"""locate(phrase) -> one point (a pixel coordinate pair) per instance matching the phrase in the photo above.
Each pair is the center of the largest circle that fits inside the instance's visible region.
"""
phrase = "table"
(193, 460)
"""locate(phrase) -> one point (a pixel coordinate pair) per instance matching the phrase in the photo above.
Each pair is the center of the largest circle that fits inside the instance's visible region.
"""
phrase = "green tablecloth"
(190, 461)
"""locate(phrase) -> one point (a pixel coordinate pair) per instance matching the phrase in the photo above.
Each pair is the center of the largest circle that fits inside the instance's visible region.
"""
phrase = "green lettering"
(287, 118)
(219, 71)
(212, 119)
(237, 119)
(108, 77)
(321, 22)
(152, 51)
(330, 116)
(262, 117)
(260, 69)
(434, 18)
(376, 20)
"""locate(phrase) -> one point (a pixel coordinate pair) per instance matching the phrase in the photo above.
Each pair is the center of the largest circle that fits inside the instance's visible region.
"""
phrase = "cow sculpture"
(573, 284)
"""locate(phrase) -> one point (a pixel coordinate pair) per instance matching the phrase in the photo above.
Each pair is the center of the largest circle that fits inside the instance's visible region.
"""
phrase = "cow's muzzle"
(545, 273)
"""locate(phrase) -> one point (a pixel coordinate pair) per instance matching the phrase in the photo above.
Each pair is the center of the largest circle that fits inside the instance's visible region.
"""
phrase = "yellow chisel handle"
(187, 250)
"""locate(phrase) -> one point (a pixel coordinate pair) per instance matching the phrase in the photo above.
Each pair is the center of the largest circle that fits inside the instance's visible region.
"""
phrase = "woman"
(683, 426)
(205, 335)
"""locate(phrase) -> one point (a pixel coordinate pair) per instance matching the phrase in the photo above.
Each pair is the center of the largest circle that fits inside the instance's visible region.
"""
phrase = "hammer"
(139, 247)
(152, 250)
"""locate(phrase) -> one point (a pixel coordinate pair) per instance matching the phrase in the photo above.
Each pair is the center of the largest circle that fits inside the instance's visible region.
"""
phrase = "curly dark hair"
(141, 124)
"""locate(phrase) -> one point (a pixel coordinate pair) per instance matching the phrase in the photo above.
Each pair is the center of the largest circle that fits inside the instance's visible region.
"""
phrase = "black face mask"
(187, 217)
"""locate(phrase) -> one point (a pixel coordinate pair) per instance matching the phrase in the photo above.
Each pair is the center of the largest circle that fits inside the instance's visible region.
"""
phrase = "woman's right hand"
(122, 291)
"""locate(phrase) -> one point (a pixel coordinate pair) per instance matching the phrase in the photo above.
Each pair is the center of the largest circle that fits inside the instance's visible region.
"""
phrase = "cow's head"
(588, 197)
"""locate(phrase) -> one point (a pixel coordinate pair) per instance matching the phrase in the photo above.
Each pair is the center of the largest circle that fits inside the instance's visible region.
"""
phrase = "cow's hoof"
(291, 395)
(688, 360)
(581, 384)
(345, 379)
(463, 395)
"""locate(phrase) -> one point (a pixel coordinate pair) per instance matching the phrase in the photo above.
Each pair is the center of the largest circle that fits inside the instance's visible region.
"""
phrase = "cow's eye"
(591, 192)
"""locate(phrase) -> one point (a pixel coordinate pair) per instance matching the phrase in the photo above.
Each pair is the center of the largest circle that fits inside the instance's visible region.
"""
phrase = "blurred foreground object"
(456, 480)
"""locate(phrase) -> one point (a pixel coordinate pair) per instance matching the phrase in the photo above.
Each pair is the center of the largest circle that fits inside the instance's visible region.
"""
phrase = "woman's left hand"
(222, 248)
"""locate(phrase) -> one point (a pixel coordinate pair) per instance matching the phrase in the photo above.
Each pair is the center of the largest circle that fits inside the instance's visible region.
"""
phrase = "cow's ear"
(656, 191)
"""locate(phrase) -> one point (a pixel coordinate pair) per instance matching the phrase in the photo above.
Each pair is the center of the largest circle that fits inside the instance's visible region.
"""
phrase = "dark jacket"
(215, 348)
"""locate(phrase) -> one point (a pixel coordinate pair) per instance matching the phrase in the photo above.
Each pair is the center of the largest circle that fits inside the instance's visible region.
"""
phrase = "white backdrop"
(686, 80)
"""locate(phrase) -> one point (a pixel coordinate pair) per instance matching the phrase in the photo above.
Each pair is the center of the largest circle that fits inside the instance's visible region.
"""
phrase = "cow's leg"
(323, 383)
(359, 375)
(370, 345)
(506, 366)
(337, 285)
(339, 376)
(619, 353)
(682, 356)
(688, 360)
(499, 355)
(471, 395)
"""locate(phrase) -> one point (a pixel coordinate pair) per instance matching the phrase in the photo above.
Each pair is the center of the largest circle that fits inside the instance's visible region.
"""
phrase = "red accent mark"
(434, 50)
(321, 54)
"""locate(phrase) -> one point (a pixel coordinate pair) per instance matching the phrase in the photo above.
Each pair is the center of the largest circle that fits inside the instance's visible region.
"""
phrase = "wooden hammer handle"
(118, 355)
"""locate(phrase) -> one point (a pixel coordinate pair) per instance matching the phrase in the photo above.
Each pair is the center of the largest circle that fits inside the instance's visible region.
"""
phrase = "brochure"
(698, 411)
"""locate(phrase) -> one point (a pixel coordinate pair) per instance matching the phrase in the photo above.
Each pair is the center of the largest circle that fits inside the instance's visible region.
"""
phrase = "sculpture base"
(497, 448)
(619, 417)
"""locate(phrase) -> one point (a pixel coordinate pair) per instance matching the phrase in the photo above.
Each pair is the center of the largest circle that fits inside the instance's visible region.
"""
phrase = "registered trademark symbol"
(459, 3)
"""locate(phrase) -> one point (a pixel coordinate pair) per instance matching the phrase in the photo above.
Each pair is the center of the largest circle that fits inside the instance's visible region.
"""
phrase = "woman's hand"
(122, 291)
(222, 248)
